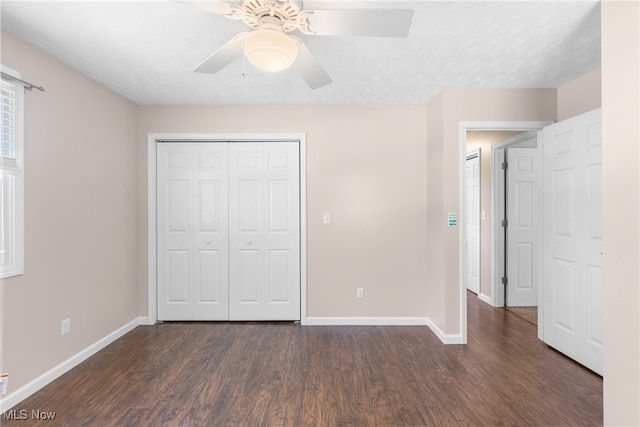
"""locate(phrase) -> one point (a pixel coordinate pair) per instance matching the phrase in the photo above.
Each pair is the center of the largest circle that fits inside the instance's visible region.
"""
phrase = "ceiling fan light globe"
(270, 50)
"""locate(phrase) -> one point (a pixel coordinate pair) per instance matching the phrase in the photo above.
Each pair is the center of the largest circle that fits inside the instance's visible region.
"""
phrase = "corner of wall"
(580, 95)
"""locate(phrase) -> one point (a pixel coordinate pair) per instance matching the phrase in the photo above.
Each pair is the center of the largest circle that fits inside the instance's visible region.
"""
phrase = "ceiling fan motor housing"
(270, 14)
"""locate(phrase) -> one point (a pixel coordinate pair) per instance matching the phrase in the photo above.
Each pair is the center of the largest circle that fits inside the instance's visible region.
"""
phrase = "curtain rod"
(27, 85)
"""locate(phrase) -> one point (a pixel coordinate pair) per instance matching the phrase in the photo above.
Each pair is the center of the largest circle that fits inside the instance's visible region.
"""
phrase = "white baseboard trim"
(485, 298)
(146, 321)
(385, 321)
(28, 389)
(445, 338)
(367, 321)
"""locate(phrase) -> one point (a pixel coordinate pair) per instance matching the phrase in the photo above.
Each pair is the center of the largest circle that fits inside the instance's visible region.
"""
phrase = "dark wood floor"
(232, 374)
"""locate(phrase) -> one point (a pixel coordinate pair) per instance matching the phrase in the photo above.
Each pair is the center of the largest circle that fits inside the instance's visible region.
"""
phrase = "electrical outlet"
(360, 293)
(65, 327)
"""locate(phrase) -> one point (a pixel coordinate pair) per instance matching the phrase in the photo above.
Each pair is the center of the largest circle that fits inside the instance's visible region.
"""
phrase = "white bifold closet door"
(228, 231)
(264, 231)
(193, 231)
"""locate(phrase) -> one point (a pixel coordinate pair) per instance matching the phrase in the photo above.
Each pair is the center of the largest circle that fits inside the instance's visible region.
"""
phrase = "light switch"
(326, 218)
(484, 215)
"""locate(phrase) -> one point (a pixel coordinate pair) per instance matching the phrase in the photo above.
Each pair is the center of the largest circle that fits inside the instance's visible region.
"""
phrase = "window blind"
(9, 120)
(11, 178)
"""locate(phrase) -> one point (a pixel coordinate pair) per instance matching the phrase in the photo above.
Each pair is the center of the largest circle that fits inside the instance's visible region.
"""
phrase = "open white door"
(573, 238)
(522, 226)
(472, 218)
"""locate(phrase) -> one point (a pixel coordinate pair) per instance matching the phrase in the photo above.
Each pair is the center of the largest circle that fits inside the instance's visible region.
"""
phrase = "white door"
(573, 238)
(228, 231)
(472, 218)
(192, 231)
(264, 231)
(522, 227)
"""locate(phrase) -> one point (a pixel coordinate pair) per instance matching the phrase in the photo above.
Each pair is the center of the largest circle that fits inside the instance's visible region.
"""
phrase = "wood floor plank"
(283, 374)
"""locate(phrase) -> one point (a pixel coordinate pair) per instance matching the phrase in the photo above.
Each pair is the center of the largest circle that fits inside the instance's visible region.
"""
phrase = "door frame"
(470, 155)
(466, 126)
(152, 141)
(498, 248)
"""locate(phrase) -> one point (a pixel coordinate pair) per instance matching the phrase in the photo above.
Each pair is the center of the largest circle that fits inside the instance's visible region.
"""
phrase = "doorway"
(517, 224)
(570, 265)
(249, 140)
(488, 270)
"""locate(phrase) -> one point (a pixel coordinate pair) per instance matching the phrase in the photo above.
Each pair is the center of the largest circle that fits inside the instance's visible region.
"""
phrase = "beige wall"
(80, 217)
(366, 165)
(581, 95)
(435, 210)
(452, 107)
(484, 140)
(621, 200)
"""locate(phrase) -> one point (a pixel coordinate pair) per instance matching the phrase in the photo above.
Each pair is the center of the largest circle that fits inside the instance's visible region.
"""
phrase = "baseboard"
(28, 389)
(146, 321)
(484, 298)
(385, 321)
(445, 338)
(366, 321)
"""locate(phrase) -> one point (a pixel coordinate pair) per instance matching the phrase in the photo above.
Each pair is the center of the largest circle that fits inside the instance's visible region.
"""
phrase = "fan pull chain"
(244, 57)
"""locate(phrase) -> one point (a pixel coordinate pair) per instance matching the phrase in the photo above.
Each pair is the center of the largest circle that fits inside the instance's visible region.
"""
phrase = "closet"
(228, 231)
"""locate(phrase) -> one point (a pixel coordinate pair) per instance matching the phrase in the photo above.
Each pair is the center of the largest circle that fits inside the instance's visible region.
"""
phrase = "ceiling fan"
(269, 46)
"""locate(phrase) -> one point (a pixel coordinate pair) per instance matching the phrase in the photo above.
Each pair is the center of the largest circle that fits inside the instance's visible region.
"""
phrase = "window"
(11, 178)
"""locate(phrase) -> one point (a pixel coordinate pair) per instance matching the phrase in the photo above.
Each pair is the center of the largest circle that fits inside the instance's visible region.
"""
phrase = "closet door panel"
(192, 234)
(264, 213)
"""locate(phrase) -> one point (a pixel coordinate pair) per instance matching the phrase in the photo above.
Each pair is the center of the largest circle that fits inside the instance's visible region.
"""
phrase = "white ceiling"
(146, 50)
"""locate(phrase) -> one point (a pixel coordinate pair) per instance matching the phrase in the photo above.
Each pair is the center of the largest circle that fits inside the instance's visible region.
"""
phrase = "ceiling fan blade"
(357, 22)
(220, 7)
(222, 57)
(308, 67)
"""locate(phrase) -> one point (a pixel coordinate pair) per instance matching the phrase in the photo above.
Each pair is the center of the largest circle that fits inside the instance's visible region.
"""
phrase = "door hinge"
(505, 223)
(504, 280)
(505, 166)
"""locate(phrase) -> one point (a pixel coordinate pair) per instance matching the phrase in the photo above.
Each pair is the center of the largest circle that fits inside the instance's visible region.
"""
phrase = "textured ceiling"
(146, 50)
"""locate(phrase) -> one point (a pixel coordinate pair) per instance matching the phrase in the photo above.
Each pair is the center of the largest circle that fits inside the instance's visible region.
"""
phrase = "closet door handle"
(208, 242)
(249, 242)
